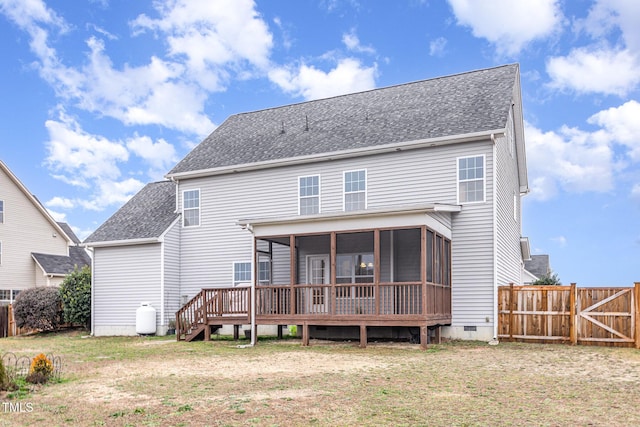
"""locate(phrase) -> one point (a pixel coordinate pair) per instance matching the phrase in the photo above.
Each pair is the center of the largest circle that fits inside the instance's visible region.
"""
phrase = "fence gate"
(591, 316)
(606, 315)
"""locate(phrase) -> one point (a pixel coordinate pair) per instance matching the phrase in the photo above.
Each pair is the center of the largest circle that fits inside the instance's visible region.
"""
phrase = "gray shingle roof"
(538, 265)
(62, 265)
(447, 106)
(148, 214)
(67, 229)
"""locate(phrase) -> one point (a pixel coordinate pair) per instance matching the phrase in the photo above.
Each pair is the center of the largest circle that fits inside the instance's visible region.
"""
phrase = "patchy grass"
(158, 382)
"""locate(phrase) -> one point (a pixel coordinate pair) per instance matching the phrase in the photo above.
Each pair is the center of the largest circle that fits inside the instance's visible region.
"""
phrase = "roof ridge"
(310, 101)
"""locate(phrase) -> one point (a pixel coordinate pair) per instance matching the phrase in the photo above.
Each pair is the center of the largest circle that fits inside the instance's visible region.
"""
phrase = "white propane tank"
(145, 319)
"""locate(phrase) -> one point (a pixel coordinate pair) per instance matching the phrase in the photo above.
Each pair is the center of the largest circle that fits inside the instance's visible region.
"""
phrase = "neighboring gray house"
(537, 267)
(35, 250)
(385, 210)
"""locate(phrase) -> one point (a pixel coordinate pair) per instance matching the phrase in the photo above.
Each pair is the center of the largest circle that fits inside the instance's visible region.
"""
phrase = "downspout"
(93, 289)
(495, 245)
(254, 264)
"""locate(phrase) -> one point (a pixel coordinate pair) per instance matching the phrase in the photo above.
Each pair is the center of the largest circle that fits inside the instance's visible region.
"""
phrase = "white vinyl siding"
(403, 178)
(25, 230)
(471, 179)
(191, 208)
(355, 190)
(508, 212)
(124, 277)
(309, 195)
(172, 272)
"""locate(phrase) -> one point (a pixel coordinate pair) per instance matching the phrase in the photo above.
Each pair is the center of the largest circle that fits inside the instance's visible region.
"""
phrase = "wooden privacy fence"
(591, 316)
(8, 326)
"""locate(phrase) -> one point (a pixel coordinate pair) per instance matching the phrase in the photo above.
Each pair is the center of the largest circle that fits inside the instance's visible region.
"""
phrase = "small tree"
(38, 308)
(548, 279)
(75, 293)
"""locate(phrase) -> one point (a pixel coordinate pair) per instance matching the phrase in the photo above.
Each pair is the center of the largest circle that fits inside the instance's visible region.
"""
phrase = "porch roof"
(389, 216)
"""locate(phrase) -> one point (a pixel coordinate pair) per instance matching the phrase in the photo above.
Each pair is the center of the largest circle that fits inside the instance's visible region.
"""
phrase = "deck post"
(236, 333)
(573, 320)
(424, 337)
(279, 332)
(363, 336)
(636, 296)
(305, 334)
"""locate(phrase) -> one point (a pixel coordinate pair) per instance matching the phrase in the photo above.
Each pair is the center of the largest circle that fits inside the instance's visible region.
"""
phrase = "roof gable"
(35, 202)
(147, 215)
(442, 107)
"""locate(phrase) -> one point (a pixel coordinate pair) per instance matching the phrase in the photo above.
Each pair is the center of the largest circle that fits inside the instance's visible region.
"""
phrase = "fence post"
(573, 331)
(636, 297)
(511, 303)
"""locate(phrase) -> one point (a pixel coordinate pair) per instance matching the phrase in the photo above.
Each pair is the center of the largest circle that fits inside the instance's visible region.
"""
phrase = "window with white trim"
(264, 272)
(355, 190)
(471, 179)
(1, 211)
(241, 273)
(309, 195)
(191, 208)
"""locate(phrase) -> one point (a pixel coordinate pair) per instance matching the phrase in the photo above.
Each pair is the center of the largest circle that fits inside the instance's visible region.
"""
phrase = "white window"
(190, 208)
(1, 211)
(471, 179)
(355, 190)
(241, 273)
(309, 195)
(264, 272)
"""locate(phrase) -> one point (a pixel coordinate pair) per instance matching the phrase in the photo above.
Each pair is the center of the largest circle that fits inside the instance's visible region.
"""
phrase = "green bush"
(38, 308)
(75, 293)
(549, 279)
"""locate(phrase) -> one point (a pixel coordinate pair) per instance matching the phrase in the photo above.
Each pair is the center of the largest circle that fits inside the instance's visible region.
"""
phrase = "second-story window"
(471, 179)
(191, 208)
(1, 211)
(309, 195)
(355, 190)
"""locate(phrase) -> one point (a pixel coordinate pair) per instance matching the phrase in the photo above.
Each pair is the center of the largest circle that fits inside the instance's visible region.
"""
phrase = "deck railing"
(211, 304)
(410, 301)
(353, 299)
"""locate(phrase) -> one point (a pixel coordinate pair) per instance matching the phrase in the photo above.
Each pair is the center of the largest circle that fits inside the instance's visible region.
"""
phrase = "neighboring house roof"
(34, 200)
(60, 265)
(69, 232)
(471, 103)
(538, 265)
(146, 216)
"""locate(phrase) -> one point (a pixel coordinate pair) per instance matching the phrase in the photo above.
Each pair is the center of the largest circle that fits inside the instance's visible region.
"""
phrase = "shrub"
(4, 378)
(38, 308)
(549, 279)
(75, 294)
(40, 370)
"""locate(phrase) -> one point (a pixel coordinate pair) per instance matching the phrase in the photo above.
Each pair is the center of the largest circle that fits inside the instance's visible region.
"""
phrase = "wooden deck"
(410, 304)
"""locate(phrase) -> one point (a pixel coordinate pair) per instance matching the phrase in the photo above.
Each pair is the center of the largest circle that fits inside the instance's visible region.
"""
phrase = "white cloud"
(210, 38)
(89, 162)
(348, 76)
(611, 64)
(509, 25)
(560, 240)
(622, 126)
(635, 191)
(160, 154)
(60, 202)
(599, 70)
(437, 46)
(352, 42)
(570, 159)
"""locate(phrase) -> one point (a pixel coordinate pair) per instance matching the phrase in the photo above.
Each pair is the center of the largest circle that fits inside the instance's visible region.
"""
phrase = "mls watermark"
(16, 407)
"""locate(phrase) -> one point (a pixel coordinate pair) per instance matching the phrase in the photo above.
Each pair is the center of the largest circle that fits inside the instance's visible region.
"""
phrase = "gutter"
(337, 155)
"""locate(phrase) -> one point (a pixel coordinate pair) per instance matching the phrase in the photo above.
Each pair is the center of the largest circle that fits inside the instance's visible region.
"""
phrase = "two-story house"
(385, 212)
(35, 250)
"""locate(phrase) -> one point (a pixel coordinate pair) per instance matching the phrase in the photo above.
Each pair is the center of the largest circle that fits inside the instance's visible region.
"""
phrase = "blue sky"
(99, 97)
